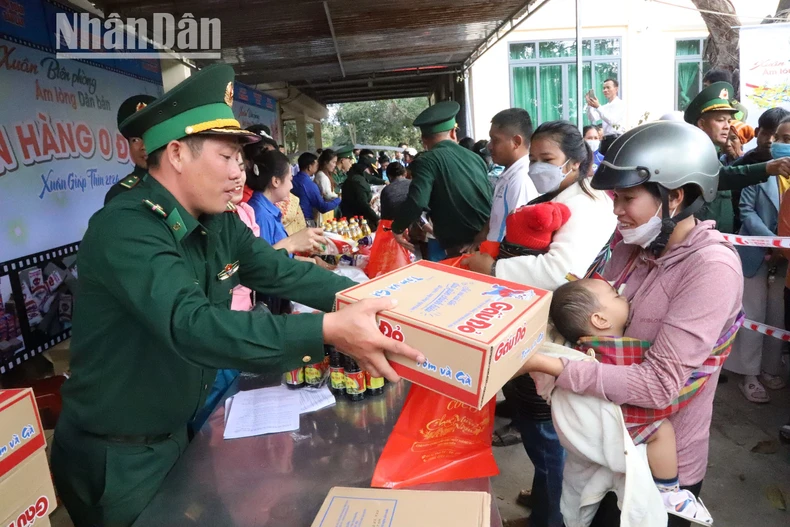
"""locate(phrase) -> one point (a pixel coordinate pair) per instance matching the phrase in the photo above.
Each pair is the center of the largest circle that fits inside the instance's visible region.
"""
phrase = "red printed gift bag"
(437, 439)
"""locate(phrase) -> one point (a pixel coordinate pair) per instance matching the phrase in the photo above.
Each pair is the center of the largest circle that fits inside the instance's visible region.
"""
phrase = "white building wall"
(648, 31)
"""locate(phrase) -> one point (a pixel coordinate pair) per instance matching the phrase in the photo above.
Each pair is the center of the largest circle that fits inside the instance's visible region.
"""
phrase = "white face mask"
(644, 234)
(594, 144)
(546, 177)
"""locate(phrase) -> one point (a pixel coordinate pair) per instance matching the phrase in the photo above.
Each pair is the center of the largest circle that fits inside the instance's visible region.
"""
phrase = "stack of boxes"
(28, 496)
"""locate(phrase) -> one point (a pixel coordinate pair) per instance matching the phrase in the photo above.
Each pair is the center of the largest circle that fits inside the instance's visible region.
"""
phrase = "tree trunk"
(721, 51)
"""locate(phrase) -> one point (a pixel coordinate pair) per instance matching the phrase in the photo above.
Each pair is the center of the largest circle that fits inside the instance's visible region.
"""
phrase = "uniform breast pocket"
(222, 290)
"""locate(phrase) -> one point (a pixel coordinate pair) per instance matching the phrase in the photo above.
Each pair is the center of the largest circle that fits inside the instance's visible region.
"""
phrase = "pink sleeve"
(705, 301)
(247, 217)
(241, 300)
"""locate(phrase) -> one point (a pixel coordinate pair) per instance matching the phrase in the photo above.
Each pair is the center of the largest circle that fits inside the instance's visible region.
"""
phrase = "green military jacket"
(339, 177)
(374, 179)
(152, 321)
(731, 178)
(127, 183)
(356, 198)
(452, 182)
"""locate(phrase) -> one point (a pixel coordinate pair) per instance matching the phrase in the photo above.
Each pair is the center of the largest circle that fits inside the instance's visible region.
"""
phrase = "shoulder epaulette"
(130, 181)
(155, 208)
(230, 207)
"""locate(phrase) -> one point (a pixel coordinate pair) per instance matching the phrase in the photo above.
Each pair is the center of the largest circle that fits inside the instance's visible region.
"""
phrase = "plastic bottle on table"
(366, 228)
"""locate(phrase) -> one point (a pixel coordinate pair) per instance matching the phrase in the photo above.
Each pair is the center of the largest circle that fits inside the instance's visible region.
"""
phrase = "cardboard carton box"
(474, 330)
(25, 481)
(403, 508)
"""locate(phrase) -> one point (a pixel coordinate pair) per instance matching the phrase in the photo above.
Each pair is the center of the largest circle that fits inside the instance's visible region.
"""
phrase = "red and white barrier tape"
(767, 242)
(765, 329)
(759, 241)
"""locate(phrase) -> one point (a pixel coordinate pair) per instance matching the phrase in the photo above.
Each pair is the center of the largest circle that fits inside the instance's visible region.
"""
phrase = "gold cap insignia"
(140, 106)
(724, 94)
(229, 94)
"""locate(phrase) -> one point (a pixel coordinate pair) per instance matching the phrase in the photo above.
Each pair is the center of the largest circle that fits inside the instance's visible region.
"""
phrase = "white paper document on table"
(314, 399)
(264, 411)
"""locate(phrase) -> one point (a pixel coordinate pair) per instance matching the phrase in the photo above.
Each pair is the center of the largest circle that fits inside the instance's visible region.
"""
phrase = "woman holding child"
(682, 279)
(560, 163)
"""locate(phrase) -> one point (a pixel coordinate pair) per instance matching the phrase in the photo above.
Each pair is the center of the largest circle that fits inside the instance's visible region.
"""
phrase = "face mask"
(594, 144)
(546, 177)
(779, 150)
(644, 234)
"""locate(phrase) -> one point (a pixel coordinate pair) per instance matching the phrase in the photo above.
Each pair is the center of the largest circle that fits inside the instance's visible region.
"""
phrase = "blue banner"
(251, 106)
(25, 20)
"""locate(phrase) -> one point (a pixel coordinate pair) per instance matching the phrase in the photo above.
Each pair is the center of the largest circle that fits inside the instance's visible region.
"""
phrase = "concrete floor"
(737, 486)
(739, 481)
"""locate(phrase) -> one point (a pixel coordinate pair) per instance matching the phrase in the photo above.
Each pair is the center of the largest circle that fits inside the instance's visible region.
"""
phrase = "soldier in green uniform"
(357, 194)
(136, 146)
(367, 166)
(345, 160)
(449, 180)
(153, 322)
(711, 111)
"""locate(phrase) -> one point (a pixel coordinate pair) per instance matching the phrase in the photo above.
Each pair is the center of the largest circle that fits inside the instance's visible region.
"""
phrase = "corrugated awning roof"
(339, 51)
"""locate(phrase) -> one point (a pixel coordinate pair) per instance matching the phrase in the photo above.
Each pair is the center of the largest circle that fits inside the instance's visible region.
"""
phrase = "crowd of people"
(606, 217)
(634, 217)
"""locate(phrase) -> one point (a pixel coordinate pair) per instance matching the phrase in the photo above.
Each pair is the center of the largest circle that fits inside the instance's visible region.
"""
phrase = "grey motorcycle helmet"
(669, 153)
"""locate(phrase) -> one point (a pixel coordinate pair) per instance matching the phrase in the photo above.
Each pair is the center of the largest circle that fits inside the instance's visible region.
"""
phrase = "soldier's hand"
(779, 167)
(403, 241)
(355, 332)
(308, 240)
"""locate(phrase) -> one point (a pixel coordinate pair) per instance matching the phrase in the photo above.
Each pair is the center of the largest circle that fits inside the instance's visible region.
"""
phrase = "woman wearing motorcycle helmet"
(682, 279)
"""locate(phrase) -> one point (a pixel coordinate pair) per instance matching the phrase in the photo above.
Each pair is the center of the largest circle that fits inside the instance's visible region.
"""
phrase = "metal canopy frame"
(413, 45)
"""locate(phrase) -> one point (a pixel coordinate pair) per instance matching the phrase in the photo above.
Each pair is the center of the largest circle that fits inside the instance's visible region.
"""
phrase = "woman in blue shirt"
(272, 183)
(593, 138)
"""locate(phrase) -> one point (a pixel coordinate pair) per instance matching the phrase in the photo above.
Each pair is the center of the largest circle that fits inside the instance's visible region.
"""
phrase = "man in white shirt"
(612, 113)
(509, 146)
(398, 157)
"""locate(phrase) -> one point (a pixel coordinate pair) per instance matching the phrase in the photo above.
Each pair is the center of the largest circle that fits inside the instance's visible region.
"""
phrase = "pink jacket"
(682, 303)
(241, 295)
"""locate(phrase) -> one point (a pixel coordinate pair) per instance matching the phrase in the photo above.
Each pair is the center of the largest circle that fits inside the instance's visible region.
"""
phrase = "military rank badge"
(228, 271)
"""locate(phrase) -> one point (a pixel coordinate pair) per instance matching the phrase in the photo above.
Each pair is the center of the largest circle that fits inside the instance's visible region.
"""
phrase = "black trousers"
(608, 514)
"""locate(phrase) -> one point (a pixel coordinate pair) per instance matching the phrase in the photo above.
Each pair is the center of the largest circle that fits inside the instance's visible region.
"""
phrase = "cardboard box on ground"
(474, 330)
(25, 481)
(403, 508)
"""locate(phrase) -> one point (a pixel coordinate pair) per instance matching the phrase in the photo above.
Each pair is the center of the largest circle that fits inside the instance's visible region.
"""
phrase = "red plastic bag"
(386, 254)
(491, 248)
(486, 247)
(454, 261)
(437, 439)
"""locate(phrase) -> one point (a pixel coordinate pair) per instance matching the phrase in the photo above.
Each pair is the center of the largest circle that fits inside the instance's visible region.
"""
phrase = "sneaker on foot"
(682, 503)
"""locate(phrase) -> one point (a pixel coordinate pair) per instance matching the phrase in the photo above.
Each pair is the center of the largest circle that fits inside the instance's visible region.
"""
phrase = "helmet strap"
(668, 223)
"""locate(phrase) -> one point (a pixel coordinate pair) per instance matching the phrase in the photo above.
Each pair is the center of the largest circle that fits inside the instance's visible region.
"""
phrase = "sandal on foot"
(772, 382)
(508, 435)
(754, 392)
(683, 504)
